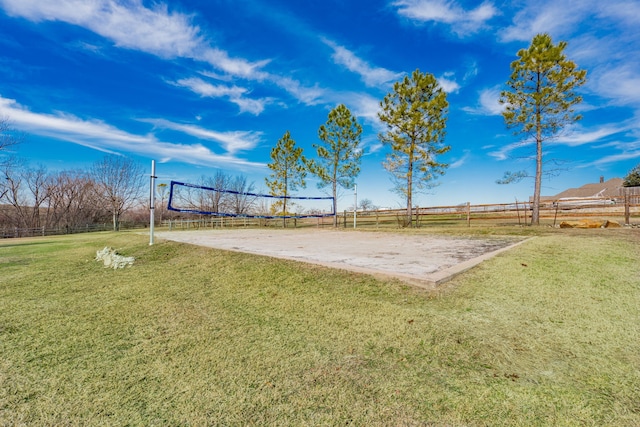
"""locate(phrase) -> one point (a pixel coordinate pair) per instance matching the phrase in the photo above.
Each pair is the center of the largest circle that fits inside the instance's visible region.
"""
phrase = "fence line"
(551, 211)
(16, 232)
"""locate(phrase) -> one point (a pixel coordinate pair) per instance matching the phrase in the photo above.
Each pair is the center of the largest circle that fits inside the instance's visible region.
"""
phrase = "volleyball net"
(202, 200)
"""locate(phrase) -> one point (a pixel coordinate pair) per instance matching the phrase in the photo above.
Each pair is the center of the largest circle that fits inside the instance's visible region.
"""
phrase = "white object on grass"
(111, 259)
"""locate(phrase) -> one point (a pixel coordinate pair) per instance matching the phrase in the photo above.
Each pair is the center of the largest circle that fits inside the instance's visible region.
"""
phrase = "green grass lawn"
(547, 333)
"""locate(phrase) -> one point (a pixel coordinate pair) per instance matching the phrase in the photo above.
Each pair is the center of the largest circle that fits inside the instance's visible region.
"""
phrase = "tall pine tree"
(539, 101)
(339, 154)
(416, 115)
(289, 171)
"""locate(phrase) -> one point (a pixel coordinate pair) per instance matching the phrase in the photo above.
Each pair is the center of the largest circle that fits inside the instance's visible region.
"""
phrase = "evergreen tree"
(539, 100)
(339, 154)
(415, 114)
(633, 177)
(289, 168)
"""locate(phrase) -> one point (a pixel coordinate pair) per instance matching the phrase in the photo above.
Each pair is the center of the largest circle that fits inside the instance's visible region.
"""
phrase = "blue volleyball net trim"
(192, 201)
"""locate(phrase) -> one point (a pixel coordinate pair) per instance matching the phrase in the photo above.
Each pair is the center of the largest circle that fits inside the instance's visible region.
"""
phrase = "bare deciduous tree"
(26, 190)
(215, 201)
(37, 184)
(11, 195)
(162, 194)
(366, 205)
(72, 200)
(8, 136)
(239, 201)
(119, 183)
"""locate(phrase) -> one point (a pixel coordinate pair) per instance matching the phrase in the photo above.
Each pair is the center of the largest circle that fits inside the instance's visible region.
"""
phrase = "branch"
(511, 177)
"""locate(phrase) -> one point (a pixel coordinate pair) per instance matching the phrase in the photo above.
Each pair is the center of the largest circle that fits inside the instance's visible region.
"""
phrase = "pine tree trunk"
(284, 203)
(409, 196)
(335, 205)
(535, 214)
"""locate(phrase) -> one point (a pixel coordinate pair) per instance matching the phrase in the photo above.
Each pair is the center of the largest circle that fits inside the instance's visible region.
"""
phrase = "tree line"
(33, 197)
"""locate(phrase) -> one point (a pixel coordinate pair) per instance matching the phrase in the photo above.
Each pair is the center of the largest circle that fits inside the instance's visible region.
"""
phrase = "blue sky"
(200, 85)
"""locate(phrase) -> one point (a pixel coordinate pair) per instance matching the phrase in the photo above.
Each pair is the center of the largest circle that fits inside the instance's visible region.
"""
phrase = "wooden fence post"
(627, 210)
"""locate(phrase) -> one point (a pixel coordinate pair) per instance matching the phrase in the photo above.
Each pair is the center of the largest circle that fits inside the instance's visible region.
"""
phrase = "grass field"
(545, 334)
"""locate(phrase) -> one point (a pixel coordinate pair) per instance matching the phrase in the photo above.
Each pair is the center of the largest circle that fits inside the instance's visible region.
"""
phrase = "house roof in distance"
(609, 188)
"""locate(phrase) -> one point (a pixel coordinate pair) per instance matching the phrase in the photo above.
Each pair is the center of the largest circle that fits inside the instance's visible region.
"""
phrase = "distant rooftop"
(609, 188)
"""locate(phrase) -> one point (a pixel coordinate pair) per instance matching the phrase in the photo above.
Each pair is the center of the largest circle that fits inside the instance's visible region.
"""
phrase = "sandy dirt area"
(423, 260)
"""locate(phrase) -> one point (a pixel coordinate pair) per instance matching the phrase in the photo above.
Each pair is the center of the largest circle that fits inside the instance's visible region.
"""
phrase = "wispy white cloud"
(625, 12)
(566, 18)
(131, 25)
(472, 71)
(619, 83)
(557, 17)
(117, 20)
(232, 142)
(620, 146)
(253, 106)
(205, 89)
(488, 104)
(463, 22)
(448, 84)
(576, 136)
(611, 57)
(155, 30)
(614, 158)
(234, 93)
(364, 106)
(461, 161)
(307, 95)
(90, 133)
(371, 76)
(101, 136)
(588, 48)
(504, 152)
